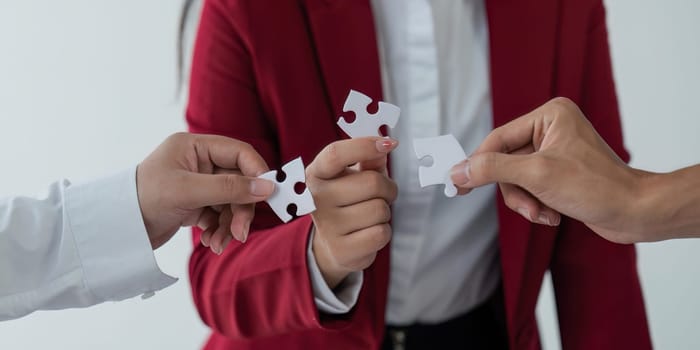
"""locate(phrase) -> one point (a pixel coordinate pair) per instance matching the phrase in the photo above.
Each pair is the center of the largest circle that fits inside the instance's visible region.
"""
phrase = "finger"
(242, 217)
(229, 153)
(511, 136)
(527, 149)
(207, 218)
(367, 241)
(378, 164)
(219, 236)
(486, 168)
(205, 237)
(462, 191)
(361, 215)
(337, 156)
(528, 206)
(358, 187)
(203, 190)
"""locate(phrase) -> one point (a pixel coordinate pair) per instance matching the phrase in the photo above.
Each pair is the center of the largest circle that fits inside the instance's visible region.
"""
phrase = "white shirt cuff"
(115, 253)
(327, 301)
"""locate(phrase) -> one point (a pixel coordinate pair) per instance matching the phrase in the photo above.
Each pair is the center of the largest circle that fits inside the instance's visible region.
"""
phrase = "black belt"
(484, 327)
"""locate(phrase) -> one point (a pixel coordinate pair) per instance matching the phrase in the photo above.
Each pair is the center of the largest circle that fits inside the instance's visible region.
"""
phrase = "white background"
(87, 87)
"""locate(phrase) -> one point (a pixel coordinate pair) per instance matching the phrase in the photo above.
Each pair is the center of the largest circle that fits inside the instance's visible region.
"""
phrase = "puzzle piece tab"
(284, 193)
(366, 124)
(446, 152)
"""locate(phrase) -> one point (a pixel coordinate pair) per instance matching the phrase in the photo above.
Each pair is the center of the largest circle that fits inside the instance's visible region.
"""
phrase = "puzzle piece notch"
(445, 152)
(285, 195)
(367, 124)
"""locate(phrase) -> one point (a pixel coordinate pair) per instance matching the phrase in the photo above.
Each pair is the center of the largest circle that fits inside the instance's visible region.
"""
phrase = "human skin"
(552, 162)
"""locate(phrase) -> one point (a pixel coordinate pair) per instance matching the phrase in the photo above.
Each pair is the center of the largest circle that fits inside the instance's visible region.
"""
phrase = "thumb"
(203, 190)
(490, 167)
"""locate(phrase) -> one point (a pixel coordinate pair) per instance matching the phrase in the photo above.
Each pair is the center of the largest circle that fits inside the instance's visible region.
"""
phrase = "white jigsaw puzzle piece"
(446, 152)
(284, 193)
(366, 124)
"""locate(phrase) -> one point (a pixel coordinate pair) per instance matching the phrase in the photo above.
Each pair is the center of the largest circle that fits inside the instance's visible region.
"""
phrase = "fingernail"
(216, 250)
(544, 220)
(246, 230)
(201, 239)
(525, 213)
(261, 188)
(386, 145)
(461, 174)
(227, 240)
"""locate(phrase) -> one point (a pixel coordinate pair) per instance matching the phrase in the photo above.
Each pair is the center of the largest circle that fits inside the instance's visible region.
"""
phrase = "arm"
(573, 171)
(89, 243)
(599, 297)
(82, 245)
(245, 293)
(670, 205)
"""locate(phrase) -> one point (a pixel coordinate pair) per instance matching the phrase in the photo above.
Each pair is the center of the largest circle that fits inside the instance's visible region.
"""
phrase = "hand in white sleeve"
(88, 243)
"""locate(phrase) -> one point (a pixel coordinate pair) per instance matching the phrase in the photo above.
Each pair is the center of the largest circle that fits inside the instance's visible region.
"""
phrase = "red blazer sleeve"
(260, 288)
(597, 289)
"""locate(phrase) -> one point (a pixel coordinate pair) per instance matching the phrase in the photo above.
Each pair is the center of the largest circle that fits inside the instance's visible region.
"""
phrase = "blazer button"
(398, 339)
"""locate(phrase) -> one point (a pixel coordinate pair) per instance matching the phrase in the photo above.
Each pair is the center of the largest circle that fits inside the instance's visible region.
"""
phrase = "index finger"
(337, 156)
(511, 136)
(228, 153)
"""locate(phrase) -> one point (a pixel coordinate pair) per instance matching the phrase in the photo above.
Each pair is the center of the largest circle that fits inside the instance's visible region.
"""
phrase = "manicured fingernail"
(386, 145)
(216, 250)
(201, 239)
(261, 188)
(461, 174)
(525, 213)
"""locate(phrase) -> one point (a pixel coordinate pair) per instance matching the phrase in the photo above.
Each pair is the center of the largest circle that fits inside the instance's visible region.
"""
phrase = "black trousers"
(484, 327)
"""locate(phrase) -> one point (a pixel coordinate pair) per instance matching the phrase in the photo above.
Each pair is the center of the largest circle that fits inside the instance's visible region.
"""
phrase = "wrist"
(331, 272)
(672, 205)
(152, 231)
(642, 209)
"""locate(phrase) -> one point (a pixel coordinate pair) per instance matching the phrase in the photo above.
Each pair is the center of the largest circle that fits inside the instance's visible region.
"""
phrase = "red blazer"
(275, 73)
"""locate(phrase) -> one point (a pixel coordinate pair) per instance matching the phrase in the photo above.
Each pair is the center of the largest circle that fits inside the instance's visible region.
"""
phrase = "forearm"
(670, 205)
(81, 245)
(245, 292)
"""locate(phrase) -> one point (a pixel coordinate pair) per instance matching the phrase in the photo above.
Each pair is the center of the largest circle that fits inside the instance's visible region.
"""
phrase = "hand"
(180, 184)
(552, 161)
(352, 192)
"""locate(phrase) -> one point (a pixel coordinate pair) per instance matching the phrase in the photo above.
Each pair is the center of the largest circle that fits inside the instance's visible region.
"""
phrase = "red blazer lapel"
(522, 66)
(346, 46)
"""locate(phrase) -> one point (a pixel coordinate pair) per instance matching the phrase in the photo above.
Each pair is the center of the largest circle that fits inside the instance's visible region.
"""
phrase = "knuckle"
(563, 106)
(481, 165)
(375, 181)
(366, 262)
(331, 154)
(384, 211)
(245, 147)
(233, 184)
(510, 199)
(393, 190)
(380, 236)
(562, 102)
(313, 183)
(381, 211)
(180, 135)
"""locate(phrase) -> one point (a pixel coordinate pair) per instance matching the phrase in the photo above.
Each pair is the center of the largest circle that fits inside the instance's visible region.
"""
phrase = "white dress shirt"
(444, 251)
(81, 245)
